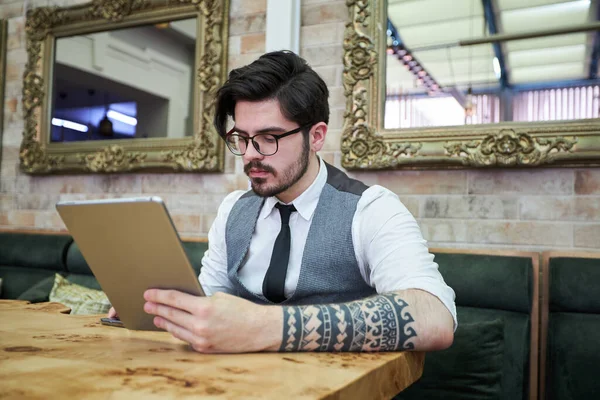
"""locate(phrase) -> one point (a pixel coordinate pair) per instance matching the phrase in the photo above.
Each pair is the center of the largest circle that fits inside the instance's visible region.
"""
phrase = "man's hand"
(217, 324)
(112, 313)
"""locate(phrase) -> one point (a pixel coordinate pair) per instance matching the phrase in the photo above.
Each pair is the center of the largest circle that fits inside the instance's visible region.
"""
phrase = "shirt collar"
(306, 203)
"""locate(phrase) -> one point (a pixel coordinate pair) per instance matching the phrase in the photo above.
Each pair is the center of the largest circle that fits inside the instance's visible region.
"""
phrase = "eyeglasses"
(265, 143)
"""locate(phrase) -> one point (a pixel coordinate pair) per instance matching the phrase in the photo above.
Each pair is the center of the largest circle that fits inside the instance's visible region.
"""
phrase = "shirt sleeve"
(213, 275)
(391, 250)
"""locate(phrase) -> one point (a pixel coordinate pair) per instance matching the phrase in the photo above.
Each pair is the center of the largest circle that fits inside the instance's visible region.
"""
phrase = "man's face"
(271, 175)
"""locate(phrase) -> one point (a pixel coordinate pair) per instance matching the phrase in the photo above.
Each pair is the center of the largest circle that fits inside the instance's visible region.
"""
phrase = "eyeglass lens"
(264, 144)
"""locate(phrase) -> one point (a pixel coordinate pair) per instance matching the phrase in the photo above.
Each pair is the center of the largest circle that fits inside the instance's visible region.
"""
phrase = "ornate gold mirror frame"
(201, 152)
(3, 49)
(365, 145)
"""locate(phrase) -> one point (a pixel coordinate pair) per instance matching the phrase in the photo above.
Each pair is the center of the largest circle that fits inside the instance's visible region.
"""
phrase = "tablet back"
(130, 245)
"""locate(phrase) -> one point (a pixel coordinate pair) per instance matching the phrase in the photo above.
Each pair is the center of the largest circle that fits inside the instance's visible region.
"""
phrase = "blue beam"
(593, 73)
(393, 32)
(490, 17)
(545, 85)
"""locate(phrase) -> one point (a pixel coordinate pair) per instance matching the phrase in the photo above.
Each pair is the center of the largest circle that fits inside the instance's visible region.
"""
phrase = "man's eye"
(270, 139)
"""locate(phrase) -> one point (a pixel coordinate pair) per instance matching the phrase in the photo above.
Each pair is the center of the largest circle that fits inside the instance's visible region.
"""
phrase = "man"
(344, 269)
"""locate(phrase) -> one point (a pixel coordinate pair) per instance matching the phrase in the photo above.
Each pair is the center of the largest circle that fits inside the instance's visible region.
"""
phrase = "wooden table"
(46, 353)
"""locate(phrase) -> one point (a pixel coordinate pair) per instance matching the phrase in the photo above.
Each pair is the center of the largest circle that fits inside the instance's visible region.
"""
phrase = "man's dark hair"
(280, 75)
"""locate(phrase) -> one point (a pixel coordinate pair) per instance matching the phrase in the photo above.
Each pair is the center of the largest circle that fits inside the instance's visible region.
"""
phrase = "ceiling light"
(117, 116)
(497, 70)
(69, 124)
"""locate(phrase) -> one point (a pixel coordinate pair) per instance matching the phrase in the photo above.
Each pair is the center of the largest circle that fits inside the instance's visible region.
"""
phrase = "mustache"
(258, 165)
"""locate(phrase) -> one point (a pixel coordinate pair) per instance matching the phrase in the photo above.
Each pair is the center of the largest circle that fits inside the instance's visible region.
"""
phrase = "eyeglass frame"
(256, 146)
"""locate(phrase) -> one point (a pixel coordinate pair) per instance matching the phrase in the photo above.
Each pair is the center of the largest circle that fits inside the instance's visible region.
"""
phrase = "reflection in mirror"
(142, 74)
(128, 83)
(437, 75)
(450, 105)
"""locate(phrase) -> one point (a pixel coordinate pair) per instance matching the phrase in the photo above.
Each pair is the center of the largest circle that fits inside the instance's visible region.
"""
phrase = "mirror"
(471, 83)
(119, 86)
(130, 83)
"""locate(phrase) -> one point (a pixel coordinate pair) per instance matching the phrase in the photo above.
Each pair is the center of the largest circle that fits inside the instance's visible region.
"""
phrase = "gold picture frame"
(202, 152)
(365, 145)
(3, 49)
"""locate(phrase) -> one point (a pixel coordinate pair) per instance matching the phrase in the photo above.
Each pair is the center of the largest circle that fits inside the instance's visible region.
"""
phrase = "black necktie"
(274, 282)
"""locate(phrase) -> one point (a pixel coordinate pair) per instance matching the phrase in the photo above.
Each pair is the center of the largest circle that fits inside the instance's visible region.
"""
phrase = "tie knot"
(285, 211)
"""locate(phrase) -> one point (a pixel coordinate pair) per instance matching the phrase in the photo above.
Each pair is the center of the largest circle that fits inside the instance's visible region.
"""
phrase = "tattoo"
(379, 323)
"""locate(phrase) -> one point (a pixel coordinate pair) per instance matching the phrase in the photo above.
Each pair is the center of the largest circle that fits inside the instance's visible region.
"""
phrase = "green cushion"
(39, 292)
(470, 369)
(76, 264)
(195, 251)
(37, 251)
(16, 280)
(571, 277)
(515, 376)
(498, 282)
(572, 357)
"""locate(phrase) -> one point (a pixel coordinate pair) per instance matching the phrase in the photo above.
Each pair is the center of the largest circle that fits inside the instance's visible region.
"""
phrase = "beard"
(289, 176)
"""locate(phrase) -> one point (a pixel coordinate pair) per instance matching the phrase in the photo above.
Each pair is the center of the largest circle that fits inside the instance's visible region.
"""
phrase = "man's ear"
(317, 136)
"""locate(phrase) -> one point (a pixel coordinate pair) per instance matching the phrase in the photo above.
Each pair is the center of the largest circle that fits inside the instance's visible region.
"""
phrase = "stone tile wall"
(513, 209)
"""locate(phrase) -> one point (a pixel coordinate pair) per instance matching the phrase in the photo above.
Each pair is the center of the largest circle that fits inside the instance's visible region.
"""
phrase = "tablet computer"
(131, 245)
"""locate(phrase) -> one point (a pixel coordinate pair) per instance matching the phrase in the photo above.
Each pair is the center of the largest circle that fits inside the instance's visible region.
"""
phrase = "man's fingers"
(171, 314)
(198, 343)
(173, 298)
(112, 313)
(186, 317)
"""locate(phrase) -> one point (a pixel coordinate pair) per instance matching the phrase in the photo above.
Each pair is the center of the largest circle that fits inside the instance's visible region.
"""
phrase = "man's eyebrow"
(263, 130)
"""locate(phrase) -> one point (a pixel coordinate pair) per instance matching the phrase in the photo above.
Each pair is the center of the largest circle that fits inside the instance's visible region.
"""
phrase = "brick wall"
(521, 209)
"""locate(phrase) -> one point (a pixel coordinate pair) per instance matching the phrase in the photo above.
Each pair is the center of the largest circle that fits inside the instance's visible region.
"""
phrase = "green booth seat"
(29, 258)
(570, 336)
(79, 271)
(495, 349)
(29, 262)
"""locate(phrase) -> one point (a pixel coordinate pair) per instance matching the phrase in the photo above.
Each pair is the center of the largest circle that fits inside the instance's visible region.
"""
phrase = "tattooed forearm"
(379, 323)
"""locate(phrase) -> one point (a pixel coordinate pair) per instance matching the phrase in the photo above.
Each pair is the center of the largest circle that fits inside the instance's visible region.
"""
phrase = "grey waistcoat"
(329, 272)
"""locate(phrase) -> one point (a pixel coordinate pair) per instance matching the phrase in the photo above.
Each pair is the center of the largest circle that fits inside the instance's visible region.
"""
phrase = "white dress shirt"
(391, 252)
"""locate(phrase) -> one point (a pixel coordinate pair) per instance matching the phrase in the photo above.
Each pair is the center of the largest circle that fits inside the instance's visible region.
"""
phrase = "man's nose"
(252, 153)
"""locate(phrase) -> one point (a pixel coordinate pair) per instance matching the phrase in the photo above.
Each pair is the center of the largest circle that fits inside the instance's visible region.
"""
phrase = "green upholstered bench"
(570, 333)
(495, 349)
(26, 259)
(29, 260)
